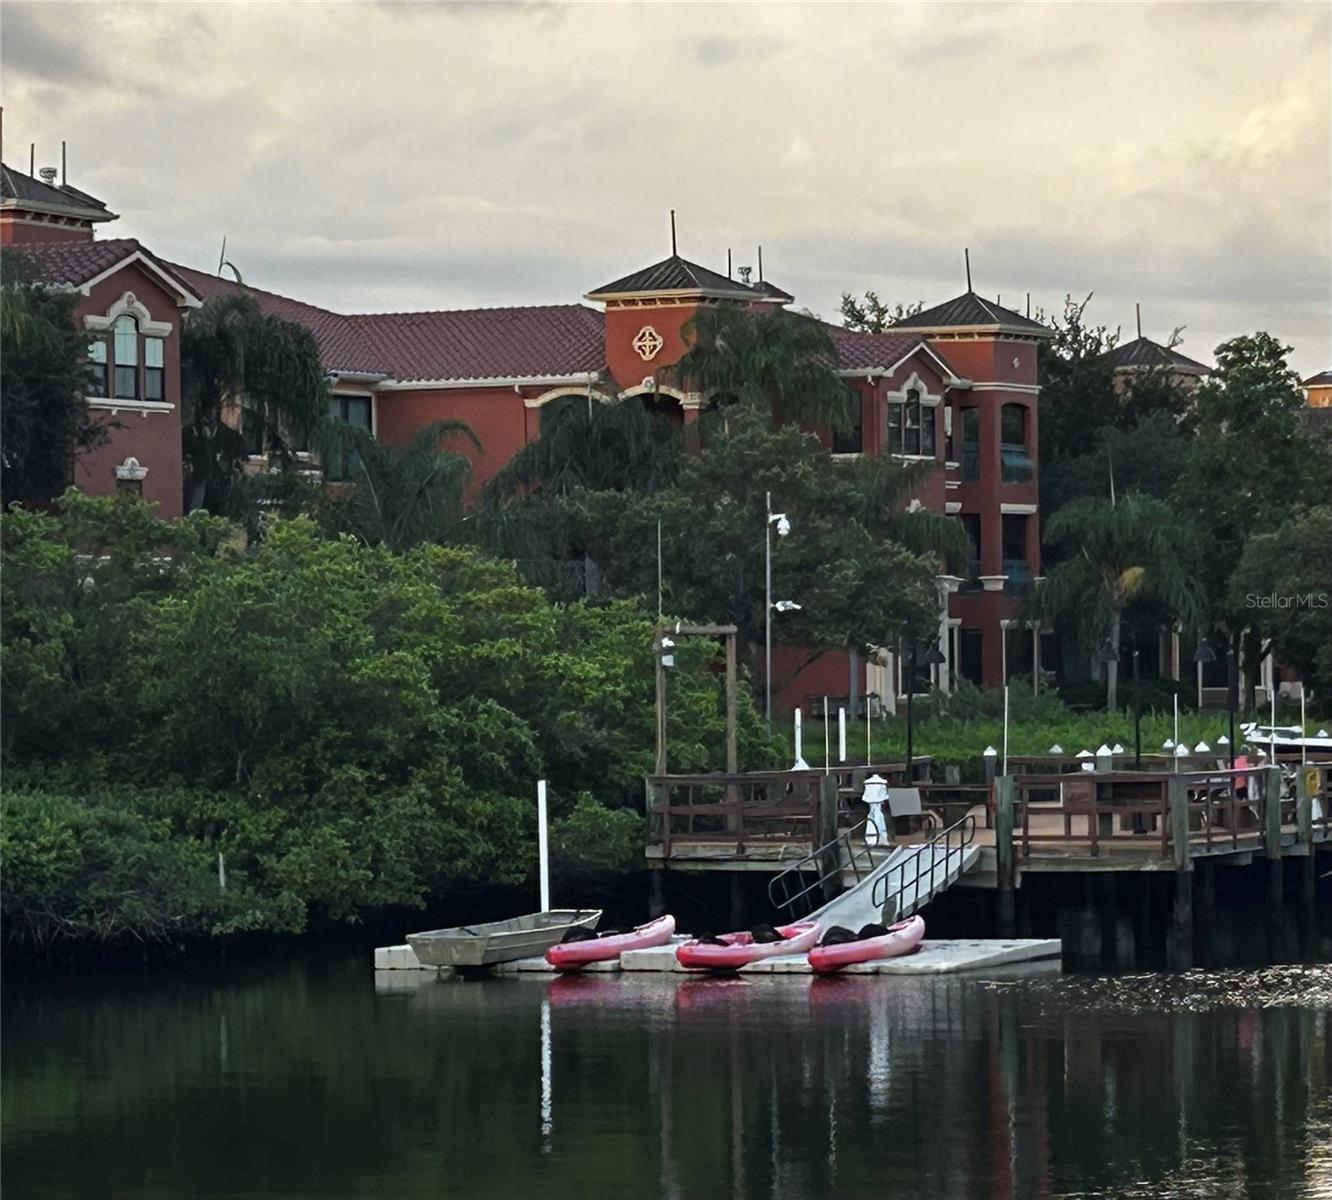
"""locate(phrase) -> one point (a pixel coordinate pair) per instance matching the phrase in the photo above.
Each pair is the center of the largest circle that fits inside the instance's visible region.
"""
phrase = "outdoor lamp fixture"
(929, 658)
(667, 652)
(786, 606)
(783, 528)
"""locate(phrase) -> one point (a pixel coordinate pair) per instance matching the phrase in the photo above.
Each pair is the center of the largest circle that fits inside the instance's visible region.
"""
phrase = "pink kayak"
(739, 949)
(901, 938)
(570, 956)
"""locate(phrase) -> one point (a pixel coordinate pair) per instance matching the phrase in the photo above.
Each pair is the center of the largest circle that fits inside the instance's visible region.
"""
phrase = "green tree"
(1077, 387)
(1249, 466)
(397, 496)
(1283, 578)
(44, 420)
(1113, 555)
(250, 383)
(872, 315)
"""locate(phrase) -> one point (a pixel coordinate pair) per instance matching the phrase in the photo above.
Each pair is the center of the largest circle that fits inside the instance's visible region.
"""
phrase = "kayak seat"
(710, 939)
(872, 930)
(765, 935)
(578, 934)
(837, 936)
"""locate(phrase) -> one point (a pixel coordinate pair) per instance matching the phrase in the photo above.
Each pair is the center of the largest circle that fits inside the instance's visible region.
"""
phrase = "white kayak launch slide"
(913, 875)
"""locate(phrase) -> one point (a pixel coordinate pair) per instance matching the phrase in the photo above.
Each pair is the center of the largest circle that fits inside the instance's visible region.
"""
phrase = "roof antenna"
(999, 298)
(62, 163)
(728, 262)
(222, 256)
(673, 250)
(1029, 306)
(1138, 309)
(32, 160)
(966, 255)
(760, 264)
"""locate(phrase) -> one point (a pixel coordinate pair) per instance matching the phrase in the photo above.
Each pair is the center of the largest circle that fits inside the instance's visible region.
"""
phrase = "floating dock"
(940, 957)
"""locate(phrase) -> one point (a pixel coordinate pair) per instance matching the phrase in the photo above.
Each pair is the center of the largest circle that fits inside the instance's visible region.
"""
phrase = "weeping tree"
(251, 383)
(776, 362)
(1114, 554)
(397, 496)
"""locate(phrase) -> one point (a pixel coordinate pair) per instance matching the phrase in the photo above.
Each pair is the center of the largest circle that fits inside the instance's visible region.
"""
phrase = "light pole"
(1109, 656)
(783, 528)
(930, 657)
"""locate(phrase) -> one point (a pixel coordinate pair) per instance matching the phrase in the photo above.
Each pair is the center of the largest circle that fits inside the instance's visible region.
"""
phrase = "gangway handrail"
(844, 854)
(957, 837)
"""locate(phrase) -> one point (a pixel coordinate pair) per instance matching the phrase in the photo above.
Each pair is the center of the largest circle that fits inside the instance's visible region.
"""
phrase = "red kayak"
(571, 956)
(735, 950)
(897, 940)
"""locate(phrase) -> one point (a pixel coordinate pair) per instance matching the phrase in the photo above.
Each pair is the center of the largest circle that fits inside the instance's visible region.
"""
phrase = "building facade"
(954, 386)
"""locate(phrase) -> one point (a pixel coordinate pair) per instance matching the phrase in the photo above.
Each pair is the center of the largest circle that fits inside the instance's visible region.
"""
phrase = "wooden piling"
(1004, 789)
(1272, 833)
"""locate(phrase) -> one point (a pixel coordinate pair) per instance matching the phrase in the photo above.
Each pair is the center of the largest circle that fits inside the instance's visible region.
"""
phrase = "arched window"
(911, 426)
(125, 336)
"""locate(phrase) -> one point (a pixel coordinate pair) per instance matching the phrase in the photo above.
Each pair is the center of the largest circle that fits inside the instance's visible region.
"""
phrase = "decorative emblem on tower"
(647, 342)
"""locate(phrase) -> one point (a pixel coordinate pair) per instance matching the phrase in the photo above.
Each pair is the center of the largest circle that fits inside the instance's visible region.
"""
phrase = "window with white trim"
(154, 368)
(911, 426)
(97, 368)
(125, 334)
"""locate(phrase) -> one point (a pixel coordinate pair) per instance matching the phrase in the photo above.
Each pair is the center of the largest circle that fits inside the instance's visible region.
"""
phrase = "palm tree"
(1116, 553)
(776, 361)
(398, 496)
(249, 382)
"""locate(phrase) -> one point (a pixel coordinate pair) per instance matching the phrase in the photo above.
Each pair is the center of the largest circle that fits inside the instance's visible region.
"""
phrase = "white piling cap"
(1055, 749)
(1102, 750)
(1168, 744)
(1223, 740)
(1085, 754)
(1322, 733)
(1181, 750)
(1119, 748)
(1201, 748)
(990, 752)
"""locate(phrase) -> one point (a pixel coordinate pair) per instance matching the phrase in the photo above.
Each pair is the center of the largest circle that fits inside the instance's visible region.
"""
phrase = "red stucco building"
(954, 385)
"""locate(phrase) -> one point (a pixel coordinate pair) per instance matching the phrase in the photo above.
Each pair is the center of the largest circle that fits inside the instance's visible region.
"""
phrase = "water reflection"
(302, 1081)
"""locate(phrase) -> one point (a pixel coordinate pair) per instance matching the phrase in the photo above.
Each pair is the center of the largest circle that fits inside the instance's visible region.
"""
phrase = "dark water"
(301, 1080)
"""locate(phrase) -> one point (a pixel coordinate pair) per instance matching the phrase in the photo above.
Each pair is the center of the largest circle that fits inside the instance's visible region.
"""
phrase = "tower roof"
(972, 312)
(676, 276)
(18, 190)
(1143, 354)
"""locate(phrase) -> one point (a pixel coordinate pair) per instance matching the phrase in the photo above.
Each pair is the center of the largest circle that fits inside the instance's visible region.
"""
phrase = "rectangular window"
(911, 426)
(927, 431)
(852, 441)
(970, 444)
(154, 368)
(1015, 465)
(355, 410)
(971, 522)
(1015, 552)
(252, 430)
(948, 434)
(97, 377)
(970, 644)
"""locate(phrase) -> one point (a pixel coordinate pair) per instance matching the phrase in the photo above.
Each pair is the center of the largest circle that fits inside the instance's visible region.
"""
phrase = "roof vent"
(48, 175)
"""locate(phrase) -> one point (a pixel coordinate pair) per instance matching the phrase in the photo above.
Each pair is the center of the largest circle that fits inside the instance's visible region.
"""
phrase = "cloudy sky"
(377, 157)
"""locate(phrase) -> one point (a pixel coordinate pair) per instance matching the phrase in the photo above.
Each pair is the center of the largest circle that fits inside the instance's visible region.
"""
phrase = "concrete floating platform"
(398, 958)
(940, 957)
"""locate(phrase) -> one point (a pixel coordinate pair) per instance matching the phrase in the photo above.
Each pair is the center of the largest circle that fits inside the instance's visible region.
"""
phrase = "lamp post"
(1109, 656)
(930, 657)
(783, 528)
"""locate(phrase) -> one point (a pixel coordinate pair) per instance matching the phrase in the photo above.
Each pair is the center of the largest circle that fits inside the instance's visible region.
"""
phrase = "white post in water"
(841, 735)
(543, 847)
(1271, 695)
(1005, 770)
(1304, 738)
(800, 764)
(547, 1117)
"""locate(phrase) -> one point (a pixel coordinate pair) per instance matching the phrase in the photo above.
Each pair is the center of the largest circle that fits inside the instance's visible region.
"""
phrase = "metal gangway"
(889, 883)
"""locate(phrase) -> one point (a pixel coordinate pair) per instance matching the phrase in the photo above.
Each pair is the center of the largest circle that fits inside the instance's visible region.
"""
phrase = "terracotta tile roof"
(489, 343)
(970, 311)
(19, 188)
(1143, 353)
(480, 343)
(342, 346)
(76, 262)
(675, 274)
(862, 351)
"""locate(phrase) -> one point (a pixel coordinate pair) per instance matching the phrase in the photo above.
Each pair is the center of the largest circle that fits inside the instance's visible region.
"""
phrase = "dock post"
(1182, 915)
(656, 891)
(1304, 837)
(1272, 832)
(1003, 852)
(737, 898)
